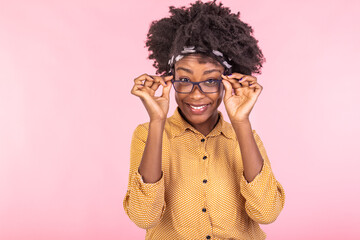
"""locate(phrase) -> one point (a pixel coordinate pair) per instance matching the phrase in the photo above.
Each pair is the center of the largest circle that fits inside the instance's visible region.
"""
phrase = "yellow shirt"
(202, 193)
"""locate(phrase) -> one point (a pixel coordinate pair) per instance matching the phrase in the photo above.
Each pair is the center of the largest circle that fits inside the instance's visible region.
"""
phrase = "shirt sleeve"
(264, 195)
(144, 203)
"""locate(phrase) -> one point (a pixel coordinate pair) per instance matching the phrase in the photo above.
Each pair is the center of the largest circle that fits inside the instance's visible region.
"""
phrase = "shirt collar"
(179, 126)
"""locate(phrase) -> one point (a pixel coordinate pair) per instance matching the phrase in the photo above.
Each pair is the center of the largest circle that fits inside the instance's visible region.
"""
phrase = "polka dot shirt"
(202, 193)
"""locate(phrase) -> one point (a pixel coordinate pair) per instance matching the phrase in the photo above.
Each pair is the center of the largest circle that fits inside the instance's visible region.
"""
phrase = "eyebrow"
(190, 71)
(212, 70)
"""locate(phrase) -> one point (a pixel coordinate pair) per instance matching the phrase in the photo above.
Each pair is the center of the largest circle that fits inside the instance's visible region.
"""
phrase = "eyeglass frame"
(172, 72)
(219, 82)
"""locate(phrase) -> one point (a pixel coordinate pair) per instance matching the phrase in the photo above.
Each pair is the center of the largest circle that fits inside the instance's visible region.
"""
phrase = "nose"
(196, 93)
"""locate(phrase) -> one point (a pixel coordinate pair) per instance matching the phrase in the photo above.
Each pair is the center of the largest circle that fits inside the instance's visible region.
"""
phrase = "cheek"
(220, 96)
(218, 100)
(222, 91)
(177, 98)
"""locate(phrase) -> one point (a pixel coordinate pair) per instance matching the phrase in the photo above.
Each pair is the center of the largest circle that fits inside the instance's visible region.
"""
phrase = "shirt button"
(204, 209)
(204, 157)
(208, 237)
(203, 140)
(204, 181)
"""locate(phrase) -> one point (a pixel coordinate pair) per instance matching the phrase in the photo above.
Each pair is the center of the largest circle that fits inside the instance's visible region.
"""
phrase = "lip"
(198, 108)
(197, 103)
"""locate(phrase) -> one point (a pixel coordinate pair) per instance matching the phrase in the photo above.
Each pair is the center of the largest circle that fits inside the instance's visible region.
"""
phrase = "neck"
(206, 127)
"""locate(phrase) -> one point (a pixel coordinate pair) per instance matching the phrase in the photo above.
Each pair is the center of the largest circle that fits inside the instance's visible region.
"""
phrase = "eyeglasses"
(184, 85)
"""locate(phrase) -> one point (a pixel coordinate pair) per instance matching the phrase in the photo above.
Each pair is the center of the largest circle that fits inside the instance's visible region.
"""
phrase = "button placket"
(203, 142)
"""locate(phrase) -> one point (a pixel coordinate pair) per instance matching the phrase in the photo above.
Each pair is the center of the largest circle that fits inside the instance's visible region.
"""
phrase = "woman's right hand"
(145, 87)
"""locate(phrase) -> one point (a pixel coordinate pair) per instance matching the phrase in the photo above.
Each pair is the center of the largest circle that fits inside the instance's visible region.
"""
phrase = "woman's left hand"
(241, 93)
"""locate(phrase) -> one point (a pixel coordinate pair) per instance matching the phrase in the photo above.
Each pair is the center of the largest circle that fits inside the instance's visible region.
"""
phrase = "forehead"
(198, 60)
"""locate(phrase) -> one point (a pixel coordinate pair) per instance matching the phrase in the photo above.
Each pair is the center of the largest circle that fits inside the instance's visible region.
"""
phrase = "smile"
(198, 107)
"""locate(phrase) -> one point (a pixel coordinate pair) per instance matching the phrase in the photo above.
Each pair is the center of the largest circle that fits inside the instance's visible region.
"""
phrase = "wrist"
(241, 126)
(242, 122)
(158, 118)
(157, 122)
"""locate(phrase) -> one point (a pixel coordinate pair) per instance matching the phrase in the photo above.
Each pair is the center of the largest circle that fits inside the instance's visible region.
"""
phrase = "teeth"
(199, 107)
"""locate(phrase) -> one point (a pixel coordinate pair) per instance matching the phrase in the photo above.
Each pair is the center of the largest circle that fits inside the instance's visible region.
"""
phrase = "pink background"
(67, 115)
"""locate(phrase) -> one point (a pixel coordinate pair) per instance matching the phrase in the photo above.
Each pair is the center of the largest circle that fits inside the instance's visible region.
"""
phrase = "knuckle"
(140, 77)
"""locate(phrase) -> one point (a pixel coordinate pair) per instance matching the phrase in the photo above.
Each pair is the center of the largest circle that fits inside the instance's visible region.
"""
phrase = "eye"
(184, 80)
(211, 82)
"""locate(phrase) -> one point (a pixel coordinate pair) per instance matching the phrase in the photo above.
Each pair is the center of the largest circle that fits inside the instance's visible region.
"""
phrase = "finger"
(142, 78)
(244, 80)
(159, 79)
(155, 86)
(234, 83)
(166, 90)
(224, 76)
(149, 83)
(256, 87)
(228, 89)
(235, 76)
(168, 78)
(248, 80)
(142, 89)
(136, 90)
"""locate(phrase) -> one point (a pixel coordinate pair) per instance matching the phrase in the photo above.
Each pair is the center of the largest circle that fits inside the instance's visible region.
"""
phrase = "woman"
(193, 175)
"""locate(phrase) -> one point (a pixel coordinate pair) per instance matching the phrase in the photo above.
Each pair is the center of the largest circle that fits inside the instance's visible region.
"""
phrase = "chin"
(196, 118)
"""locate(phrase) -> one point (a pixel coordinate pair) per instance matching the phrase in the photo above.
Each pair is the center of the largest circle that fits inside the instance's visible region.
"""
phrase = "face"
(200, 109)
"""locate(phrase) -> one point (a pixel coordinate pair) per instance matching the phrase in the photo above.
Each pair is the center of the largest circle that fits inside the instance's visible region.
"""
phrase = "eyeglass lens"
(206, 87)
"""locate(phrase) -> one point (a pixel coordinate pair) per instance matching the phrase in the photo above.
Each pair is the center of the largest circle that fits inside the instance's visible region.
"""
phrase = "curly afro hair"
(208, 26)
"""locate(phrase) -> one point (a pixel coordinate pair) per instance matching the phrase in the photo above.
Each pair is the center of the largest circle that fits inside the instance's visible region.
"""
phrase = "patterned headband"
(219, 56)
